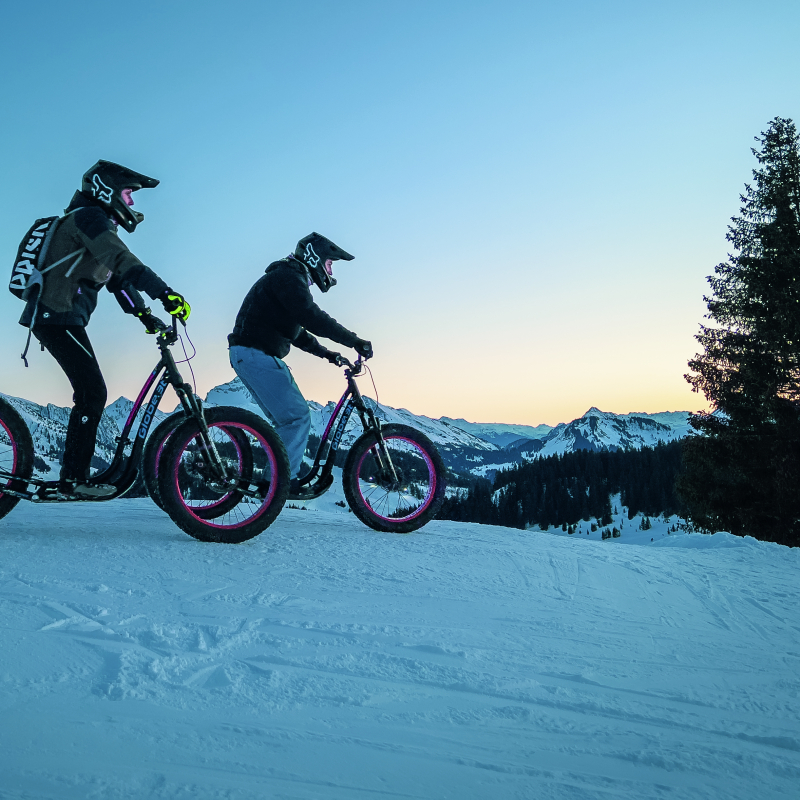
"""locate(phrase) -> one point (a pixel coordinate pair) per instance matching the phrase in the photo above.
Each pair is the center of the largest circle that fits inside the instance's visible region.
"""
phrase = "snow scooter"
(394, 479)
(224, 473)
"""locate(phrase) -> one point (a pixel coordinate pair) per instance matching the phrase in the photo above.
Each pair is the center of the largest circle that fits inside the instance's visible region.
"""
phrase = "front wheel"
(397, 497)
(16, 455)
(151, 455)
(230, 508)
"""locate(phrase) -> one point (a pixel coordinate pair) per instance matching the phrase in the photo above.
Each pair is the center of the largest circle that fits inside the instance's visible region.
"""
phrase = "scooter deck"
(314, 490)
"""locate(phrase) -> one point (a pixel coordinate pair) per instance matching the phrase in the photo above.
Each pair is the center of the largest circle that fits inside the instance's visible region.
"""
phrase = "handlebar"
(154, 324)
(355, 369)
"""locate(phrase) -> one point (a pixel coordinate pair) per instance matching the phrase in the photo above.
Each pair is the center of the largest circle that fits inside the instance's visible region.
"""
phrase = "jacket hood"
(82, 200)
(290, 260)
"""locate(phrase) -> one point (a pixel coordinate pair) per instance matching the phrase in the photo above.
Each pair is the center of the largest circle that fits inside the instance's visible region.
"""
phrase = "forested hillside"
(565, 489)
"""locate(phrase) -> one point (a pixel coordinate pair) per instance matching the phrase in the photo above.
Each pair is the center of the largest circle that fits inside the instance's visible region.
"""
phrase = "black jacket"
(97, 257)
(279, 312)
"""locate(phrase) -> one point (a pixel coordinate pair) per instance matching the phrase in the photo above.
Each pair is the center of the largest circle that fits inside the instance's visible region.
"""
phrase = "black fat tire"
(353, 487)
(153, 449)
(209, 527)
(156, 443)
(246, 466)
(16, 453)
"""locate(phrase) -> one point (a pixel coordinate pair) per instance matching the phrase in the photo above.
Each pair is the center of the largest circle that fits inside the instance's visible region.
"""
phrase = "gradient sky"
(534, 192)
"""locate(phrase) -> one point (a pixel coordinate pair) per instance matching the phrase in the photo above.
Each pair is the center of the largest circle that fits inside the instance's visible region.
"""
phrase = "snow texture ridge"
(324, 660)
(603, 430)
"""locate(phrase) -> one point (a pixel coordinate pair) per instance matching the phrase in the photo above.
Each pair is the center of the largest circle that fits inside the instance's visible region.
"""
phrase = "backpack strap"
(24, 353)
(47, 238)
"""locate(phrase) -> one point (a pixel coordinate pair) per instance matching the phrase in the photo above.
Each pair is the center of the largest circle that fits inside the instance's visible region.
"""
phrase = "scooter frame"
(122, 471)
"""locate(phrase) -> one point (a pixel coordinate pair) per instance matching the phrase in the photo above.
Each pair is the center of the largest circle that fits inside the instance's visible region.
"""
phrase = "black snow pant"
(71, 348)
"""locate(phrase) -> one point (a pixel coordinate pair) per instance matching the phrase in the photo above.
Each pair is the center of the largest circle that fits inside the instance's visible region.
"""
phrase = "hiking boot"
(298, 492)
(95, 489)
(68, 490)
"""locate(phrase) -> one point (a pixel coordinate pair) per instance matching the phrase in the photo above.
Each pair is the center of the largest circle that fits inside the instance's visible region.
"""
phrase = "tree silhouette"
(743, 474)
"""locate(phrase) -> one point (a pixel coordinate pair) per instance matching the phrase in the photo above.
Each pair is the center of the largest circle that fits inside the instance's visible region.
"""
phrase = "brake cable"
(188, 359)
(377, 401)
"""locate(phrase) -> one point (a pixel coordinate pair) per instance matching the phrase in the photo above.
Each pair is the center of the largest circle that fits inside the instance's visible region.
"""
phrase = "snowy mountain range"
(477, 448)
(498, 433)
(48, 427)
(601, 430)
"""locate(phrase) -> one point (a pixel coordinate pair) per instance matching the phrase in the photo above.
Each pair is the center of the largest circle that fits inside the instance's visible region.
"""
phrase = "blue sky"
(534, 192)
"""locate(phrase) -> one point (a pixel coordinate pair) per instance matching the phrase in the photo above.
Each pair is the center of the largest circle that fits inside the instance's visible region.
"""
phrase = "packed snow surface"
(325, 660)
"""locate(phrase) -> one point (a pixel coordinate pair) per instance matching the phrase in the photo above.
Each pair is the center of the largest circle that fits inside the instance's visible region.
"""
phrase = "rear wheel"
(16, 454)
(152, 453)
(156, 443)
(245, 503)
(398, 500)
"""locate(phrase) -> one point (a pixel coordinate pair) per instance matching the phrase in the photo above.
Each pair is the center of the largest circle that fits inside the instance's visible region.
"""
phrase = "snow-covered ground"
(324, 660)
(631, 531)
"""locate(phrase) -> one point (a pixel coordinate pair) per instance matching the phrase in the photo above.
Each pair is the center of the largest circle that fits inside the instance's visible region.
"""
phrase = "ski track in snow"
(325, 660)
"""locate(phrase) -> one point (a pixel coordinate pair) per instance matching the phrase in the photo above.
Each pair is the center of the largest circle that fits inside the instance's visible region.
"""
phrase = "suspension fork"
(193, 408)
(371, 422)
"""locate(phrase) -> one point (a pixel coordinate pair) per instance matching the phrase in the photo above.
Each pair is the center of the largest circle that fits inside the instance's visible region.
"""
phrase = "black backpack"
(27, 280)
(26, 275)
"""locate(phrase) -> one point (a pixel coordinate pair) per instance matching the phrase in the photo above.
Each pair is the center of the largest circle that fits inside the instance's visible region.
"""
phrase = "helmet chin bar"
(321, 279)
(126, 216)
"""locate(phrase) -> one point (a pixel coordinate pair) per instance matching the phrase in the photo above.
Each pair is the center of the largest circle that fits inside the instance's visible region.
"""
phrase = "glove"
(147, 320)
(363, 348)
(175, 304)
(335, 358)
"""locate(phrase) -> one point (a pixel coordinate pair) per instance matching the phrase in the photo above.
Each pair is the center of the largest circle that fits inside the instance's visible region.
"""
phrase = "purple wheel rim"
(13, 451)
(265, 503)
(426, 501)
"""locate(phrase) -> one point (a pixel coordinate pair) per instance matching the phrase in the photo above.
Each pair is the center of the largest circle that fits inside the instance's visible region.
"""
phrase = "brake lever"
(358, 366)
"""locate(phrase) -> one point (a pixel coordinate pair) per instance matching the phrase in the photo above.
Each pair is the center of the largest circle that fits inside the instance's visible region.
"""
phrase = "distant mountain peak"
(594, 411)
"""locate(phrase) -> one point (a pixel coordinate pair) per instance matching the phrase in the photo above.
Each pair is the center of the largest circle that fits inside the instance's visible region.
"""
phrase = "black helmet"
(104, 183)
(314, 250)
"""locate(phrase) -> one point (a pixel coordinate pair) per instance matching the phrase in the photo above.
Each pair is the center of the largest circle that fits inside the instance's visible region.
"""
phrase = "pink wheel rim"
(13, 451)
(265, 503)
(429, 495)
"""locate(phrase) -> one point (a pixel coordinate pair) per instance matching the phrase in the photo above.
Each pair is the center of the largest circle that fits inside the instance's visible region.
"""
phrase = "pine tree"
(606, 518)
(743, 475)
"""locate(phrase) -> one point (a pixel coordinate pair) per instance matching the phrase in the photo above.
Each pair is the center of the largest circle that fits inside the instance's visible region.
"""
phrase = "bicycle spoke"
(247, 460)
(396, 478)
(396, 483)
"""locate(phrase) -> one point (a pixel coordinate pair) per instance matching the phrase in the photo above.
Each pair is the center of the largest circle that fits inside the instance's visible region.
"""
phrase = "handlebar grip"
(150, 320)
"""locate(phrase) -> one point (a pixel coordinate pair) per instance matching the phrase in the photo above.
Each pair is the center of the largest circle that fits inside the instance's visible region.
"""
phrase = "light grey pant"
(271, 383)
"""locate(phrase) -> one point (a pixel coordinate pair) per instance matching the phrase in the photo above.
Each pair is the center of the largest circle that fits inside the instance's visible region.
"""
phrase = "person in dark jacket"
(84, 255)
(279, 312)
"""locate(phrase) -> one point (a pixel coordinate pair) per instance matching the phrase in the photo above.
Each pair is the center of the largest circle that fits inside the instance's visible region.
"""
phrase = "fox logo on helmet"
(314, 250)
(99, 190)
(310, 257)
